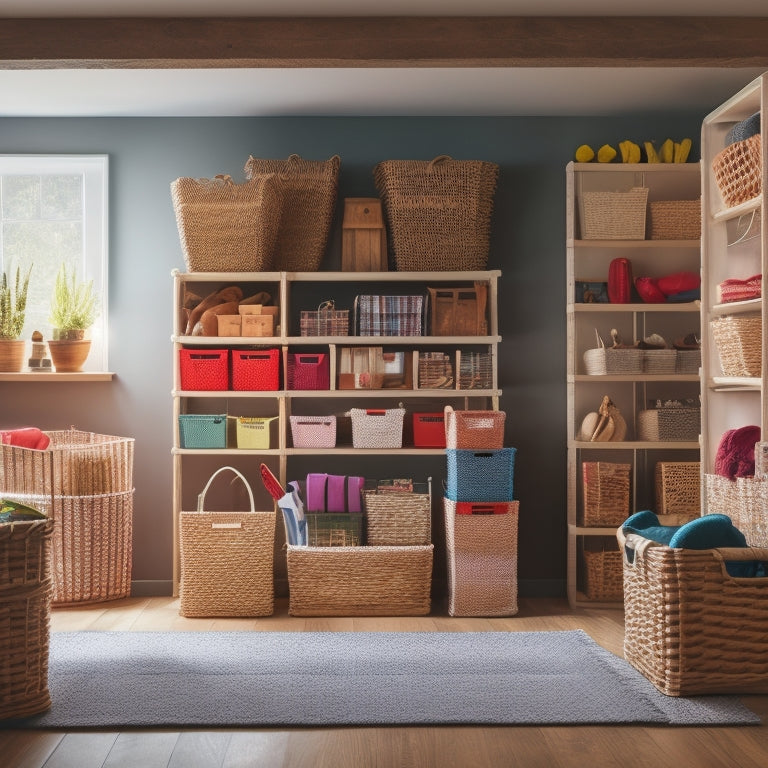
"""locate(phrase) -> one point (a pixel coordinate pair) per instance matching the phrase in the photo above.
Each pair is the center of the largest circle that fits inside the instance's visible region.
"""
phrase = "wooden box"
(364, 239)
(228, 325)
(257, 325)
(459, 311)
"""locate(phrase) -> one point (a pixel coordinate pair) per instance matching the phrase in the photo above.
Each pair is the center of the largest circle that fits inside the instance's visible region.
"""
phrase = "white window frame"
(95, 256)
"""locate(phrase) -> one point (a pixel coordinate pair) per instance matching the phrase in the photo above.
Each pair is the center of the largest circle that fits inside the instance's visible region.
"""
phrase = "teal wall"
(528, 234)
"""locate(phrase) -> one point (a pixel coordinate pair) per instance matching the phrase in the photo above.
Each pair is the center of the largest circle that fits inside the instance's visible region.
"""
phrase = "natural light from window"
(53, 210)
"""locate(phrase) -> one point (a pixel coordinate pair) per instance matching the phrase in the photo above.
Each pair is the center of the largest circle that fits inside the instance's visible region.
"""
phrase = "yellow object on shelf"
(584, 154)
(606, 154)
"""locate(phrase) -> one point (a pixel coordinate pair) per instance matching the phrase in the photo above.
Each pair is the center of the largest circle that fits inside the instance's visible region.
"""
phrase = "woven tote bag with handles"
(227, 559)
(309, 190)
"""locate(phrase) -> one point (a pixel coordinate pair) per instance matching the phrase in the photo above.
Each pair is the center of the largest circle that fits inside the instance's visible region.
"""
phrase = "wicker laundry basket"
(690, 627)
(84, 482)
(309, 191)
(25, 602)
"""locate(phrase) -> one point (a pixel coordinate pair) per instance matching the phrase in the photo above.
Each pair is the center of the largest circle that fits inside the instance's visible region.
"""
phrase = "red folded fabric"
(649, 291)
(25, 437)
(735, 455)
(741, 290)
(678, 283)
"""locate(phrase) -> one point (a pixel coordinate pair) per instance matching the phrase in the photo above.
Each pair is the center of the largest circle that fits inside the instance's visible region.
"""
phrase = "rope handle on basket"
(438, 159)
(201, 497)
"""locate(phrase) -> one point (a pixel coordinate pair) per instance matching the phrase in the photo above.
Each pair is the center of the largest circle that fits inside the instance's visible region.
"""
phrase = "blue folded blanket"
(706, 532)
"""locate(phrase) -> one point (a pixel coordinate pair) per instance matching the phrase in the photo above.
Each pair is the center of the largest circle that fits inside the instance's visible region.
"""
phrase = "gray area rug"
(219, 679)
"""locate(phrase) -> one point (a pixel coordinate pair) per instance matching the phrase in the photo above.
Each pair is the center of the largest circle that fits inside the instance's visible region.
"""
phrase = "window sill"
(27, 376)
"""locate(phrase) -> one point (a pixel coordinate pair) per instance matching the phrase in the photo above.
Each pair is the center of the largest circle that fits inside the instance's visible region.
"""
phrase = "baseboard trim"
(152, 588)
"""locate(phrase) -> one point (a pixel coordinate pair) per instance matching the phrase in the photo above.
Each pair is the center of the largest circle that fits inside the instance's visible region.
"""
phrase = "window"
(53, 210)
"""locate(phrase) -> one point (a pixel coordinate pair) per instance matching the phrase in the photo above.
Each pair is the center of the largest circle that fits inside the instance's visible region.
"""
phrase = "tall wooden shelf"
(294, 292)
(588, 260)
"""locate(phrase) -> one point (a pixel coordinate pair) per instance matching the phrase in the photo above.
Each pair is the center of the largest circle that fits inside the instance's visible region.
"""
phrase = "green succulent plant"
(74, 304)
(13, 304)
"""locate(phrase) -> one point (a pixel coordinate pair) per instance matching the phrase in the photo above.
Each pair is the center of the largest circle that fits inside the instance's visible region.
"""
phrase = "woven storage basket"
(674, 220)
(438, 212)
(669, 424)
(254, 432)
(690, 627)
(475, 369)
(377, 428)
(606, 493)
(659, 361)
(480, 475)
(359, 581)
(227, 227)
(688, 361)
(227, 559)
(203, 430)
(313, 431)
(738, 171)
(601, 361)
(204, 369)
(84, 482)
(739, 339)
(474, 429)
(481, 548)
(397, 518)
(309, 190)
(744, 500)
(603, 578)
(25, 602)
(615, 215)
(678, 487)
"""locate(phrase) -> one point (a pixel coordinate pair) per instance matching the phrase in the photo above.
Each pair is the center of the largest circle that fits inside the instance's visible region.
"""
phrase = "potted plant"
(74, 306)
(13, 307)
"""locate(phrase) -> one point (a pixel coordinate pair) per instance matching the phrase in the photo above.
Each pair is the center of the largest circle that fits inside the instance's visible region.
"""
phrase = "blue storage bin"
(478, 475)
(197, 430)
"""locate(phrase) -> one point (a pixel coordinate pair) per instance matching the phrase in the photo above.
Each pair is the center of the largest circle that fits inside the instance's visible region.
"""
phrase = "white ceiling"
(418, 91)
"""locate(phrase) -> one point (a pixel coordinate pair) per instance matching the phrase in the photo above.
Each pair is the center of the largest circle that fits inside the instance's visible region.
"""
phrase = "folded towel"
(25, 437)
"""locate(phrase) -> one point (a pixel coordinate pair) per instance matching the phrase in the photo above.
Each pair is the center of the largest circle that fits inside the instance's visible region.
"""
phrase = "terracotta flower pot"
(12, 355)
(69, 356)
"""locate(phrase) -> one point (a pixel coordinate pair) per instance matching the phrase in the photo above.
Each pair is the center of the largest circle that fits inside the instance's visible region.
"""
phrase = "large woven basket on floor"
(438, 211)
(359, 581)
(690, 627)
(309, 191)
(84, 482)
(227, 227)
(227, 559)
(25, 601)
(481, 547)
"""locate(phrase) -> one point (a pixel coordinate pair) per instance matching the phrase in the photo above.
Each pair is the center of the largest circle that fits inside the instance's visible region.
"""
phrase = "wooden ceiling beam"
(68, 43)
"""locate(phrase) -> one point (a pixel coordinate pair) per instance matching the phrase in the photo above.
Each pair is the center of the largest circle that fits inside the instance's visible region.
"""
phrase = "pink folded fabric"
(25, 437)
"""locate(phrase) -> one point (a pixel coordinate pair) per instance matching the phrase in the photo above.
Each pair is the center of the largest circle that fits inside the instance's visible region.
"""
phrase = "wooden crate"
(458, 311)
(364, 239)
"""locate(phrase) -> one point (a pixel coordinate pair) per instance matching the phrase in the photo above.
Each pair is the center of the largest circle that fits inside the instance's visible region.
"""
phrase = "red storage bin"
(309, 370)
(429, 430)
(204, 369)
(256, 369)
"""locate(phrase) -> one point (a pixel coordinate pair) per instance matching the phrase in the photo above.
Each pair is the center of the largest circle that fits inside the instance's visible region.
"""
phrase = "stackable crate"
(429, 430)
(477, 475)
(203, 430)
(313, 431)
(309, 370)
(204, 369)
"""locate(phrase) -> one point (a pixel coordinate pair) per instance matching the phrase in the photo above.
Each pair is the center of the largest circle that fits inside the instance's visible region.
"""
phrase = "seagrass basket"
(359, 581)
(227, 559)
(83, 481)
(602, 361)
(674, 219)
(438, 212)
(606, 493)
(738, 339)
(690, 627)
(309, 190)
(602, 573)
(227, 227)
(481, 548)
(25, 601)
(738, 171)
(678, 486)
(398, 518)
(615, 215)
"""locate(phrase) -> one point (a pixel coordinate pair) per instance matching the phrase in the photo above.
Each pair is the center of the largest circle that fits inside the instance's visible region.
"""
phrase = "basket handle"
(438, 159)
(201, 497)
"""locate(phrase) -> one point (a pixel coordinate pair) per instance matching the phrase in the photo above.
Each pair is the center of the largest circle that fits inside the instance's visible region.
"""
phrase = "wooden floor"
(358, 747)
